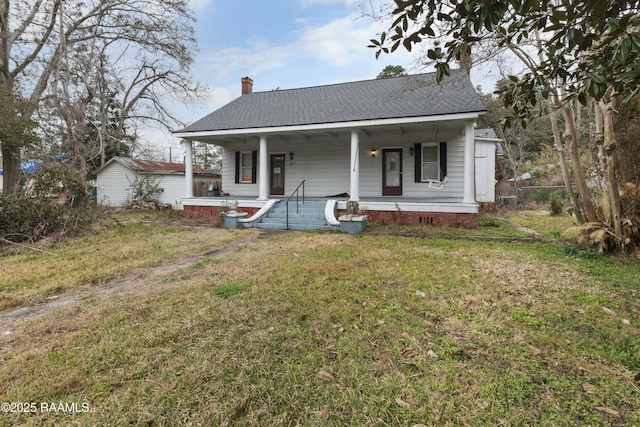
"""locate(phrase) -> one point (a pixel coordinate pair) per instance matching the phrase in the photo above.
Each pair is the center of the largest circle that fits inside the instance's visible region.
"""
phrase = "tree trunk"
(10, 155)
(11, 173)
(571, 138)
(607, 146)
(563, 167)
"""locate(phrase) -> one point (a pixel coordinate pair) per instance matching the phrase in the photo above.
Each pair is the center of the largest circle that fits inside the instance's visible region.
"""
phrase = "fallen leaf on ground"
(324, 374)
(402, 403)
(535, 351)
(589, 388)
(608, 411)
(409, 352)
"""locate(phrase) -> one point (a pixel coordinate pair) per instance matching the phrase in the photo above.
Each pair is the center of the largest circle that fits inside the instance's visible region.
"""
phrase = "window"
(430, 161)
(246, 166)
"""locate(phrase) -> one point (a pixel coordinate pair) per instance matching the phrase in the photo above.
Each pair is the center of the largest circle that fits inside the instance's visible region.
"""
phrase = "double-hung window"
(246, 167)
(430, 161)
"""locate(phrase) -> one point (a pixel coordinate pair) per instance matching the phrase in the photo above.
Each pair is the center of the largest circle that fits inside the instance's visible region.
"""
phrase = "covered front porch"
(382, 166)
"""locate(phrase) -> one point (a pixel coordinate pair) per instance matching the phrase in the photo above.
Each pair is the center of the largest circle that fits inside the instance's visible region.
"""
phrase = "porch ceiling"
(435, 127)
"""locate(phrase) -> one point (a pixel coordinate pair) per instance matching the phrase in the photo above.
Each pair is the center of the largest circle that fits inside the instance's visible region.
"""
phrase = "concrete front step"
(293, 220)
(302, 215)
(310, 216)
(295, 227)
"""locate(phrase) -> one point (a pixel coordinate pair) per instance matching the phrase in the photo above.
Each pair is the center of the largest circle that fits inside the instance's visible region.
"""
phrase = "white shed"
(113, 183)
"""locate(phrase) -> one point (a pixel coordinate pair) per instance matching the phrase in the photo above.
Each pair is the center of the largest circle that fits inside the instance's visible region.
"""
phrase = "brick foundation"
(437, 219)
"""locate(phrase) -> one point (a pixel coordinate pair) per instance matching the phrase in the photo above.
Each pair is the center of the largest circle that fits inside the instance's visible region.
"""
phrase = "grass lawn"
(325, 329)
(542, 221)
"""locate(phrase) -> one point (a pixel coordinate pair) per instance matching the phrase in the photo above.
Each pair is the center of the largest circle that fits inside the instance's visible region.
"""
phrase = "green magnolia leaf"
(408, 44)
(582, 98)
(625, 49)
(446, 70)
(597, 90)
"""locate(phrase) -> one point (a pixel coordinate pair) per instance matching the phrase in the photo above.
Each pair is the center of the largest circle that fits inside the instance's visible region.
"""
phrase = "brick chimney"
(247, 85)
(465, 63)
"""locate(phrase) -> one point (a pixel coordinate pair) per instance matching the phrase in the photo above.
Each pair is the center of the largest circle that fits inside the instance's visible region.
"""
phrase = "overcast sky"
(284, 44)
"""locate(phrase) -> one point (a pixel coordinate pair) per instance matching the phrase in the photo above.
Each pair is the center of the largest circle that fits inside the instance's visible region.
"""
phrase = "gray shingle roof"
(485, 133)
(409, 96)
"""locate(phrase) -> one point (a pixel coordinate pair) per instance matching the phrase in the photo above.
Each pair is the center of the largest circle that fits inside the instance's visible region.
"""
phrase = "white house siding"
(324, 162)
(173, 189)
(228, 171)
(323, 165)
(371, 167)
(112, 185)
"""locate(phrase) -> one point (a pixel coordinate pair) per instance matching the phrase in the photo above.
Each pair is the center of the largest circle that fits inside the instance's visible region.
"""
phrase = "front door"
(392, 172)
(277, 175)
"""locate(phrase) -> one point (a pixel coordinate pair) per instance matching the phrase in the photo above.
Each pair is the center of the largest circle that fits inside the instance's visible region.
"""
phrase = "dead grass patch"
(31, 277)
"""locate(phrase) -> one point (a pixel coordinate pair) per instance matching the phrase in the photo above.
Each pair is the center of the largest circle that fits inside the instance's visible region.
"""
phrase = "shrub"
(540, 195)
(145, 191)
(556, 203)
(53, 203)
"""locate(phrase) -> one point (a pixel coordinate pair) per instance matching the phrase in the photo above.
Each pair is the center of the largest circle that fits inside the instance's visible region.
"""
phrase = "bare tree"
(144, 49)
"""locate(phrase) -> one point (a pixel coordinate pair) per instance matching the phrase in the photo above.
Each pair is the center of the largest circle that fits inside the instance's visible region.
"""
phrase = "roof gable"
(399, 97)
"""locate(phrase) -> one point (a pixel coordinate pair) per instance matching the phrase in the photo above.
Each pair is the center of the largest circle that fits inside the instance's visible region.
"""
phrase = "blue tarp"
(32, 165)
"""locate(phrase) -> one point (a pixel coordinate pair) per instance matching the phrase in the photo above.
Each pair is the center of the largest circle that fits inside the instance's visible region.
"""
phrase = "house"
(113, 184)
(404, 148)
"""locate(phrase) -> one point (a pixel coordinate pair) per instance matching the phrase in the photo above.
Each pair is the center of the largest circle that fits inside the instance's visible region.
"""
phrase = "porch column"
(263, 177)
(355, 165)
(469, 163)
(188, 168)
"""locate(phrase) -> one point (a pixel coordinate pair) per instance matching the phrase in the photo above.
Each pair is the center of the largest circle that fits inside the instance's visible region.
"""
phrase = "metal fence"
(515, 196)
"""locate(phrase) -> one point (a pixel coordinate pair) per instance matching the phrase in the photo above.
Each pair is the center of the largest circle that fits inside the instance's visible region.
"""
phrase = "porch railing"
(296, 193)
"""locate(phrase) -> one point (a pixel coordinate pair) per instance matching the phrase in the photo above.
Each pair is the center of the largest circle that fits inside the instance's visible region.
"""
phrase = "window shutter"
(237, 167)
(417, 156)
(443, 160)
(254, 167)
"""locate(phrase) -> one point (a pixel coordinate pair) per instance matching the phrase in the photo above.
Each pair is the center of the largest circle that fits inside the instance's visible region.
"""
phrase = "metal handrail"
(295, 192)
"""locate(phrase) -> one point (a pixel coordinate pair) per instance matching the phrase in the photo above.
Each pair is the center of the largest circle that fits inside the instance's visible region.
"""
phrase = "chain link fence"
(513, 197)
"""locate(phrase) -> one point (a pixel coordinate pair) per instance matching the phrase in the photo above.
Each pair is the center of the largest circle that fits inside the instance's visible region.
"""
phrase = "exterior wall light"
(374, 152)
(291, 155)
